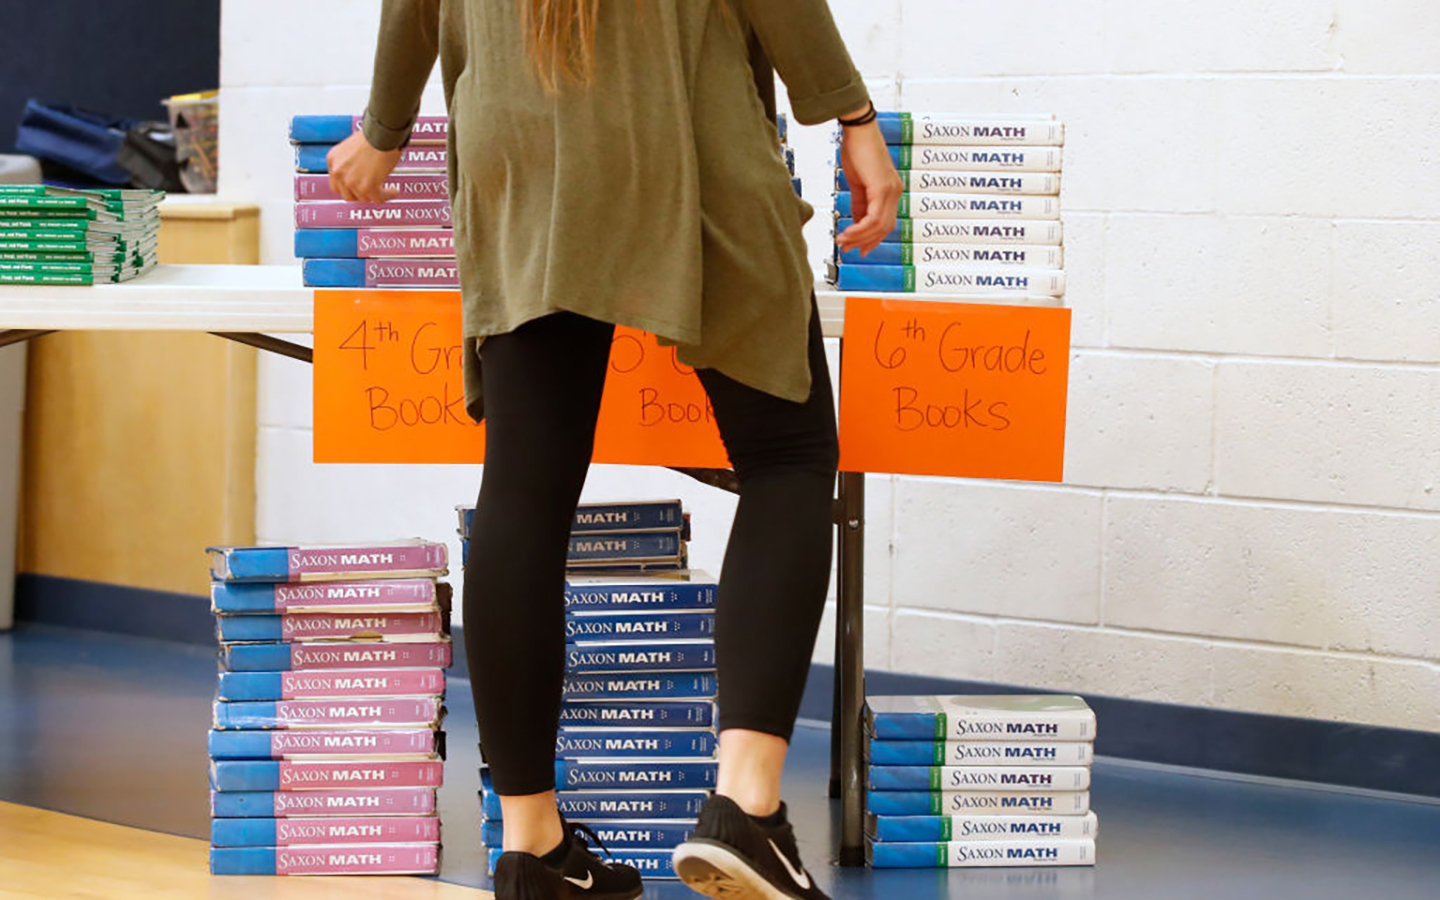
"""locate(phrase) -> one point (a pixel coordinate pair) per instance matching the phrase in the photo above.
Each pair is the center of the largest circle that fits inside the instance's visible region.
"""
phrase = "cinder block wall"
(1249, 518)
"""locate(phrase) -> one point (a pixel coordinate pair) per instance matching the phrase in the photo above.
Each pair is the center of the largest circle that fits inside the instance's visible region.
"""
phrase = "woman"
(613, 163)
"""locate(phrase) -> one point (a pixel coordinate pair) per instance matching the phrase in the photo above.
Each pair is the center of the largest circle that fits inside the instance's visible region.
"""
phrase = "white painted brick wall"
(1252, 212)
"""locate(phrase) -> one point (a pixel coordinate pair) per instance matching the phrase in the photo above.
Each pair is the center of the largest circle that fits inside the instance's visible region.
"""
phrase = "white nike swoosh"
(800, 877)
(585, 885)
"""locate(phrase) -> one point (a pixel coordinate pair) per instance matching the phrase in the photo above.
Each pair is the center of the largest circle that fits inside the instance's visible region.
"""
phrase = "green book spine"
(71, 226)
(48, 246)
(41, 201)
(22, 190)
(60, 268)
(947, 825)
(44, 278)
(58, 256)
(904, 206)
(907, 230)
(74, 213)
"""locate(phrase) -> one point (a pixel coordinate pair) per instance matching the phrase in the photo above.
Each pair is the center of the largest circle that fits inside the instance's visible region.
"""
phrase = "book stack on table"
(635, 754)
(980, 214)
(978, 781)
(53, 235)
(326, 750)
(404, 243)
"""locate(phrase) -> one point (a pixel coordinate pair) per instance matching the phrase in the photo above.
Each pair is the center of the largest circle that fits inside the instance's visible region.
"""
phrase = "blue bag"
(79, 139)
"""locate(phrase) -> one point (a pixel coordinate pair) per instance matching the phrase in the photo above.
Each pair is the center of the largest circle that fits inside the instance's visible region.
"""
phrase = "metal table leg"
(850, 667)
(272, 344)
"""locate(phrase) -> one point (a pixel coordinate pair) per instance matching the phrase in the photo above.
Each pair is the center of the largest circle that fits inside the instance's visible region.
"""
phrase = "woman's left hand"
(358, 171)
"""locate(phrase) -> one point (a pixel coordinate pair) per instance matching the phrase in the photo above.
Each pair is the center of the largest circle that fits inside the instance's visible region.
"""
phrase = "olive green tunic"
(656, 198)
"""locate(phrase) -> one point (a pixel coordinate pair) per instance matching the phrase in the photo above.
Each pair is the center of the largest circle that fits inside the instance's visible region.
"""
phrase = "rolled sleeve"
(803, 43)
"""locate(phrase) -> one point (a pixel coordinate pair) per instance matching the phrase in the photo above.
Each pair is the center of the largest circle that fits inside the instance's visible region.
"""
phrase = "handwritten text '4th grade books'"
(979, 781)
(979, 216)
(325, 745)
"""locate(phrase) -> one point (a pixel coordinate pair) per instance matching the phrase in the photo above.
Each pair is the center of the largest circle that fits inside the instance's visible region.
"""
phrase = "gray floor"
(114, 728)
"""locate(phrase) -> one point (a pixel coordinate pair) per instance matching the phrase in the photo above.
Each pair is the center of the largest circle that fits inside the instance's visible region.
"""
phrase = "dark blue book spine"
(641, 686)
(571, 743)
(591, 775)
(334, 272)
(640, 714)
(614, 835)
(334, 243)
(637, 595)
(242, 832)
(585, 806)
(249, 628)
(243, 804)
(321, 129)
(695, 656)
(242, 598)
(673, 626)
(250, 686)
(886, 254)
(590, 548)
(257, 657)
(240, 745)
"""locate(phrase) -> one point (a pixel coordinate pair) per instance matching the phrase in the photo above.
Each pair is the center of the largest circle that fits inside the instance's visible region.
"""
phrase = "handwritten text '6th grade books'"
(979, 781)
(980, 215)
(635, 756)
(406, 242)
(325, 744)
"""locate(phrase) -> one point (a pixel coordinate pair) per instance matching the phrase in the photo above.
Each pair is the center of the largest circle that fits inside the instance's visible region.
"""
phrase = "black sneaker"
(732, 857)
(583, 875)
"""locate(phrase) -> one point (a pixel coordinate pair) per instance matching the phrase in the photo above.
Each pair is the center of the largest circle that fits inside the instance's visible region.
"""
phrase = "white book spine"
(926, 205)
(953, 279)
(942, 231)
(1011, 828)
(963, 854)
(1045, 183)
(983, 159)
(1037, 256)
(1014, 778)
(968, 131)
(1001, 753)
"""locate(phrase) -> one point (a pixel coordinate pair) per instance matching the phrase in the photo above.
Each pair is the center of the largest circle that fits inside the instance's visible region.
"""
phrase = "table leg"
(850, 668)
(272, 344)
(19, 335)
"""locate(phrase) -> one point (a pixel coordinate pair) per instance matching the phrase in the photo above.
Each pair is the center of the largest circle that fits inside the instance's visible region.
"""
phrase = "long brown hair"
(560, 35)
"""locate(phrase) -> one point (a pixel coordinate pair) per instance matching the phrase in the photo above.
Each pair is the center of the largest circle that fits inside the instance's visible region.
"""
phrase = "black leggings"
(542, 394)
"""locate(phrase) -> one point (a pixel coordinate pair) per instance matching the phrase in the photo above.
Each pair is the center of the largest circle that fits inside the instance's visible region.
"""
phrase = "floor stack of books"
(326, 750)
(53, 235)
(980, 214)
(979, 781)
(635, 755)
(405, 243)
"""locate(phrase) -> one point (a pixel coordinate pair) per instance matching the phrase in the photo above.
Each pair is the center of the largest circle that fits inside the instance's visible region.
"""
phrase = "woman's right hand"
(358, 171)
(875, 186)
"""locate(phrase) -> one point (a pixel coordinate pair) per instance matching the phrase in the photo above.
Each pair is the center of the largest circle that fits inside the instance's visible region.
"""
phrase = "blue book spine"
(592, 547)
(628, 516)
(900, 155)
(312, 158)
(266, 564)
(230, 716)
(240, 745)
(572, 743)
(334, 243)
(585, 806)
(886, 254)
(242, 598)
(641, 686)
(589, 775)
(321, 129)
(694, 656)
(242, 861)
(898, 236)
(640, 714)
(242, 832)
(334, 272)
(638, 595)
(909, 829)
(245, 775)
(615, 835)
(652, 864)
(249, 628)
(916, 726)
(906, 753)
(904, 803)
(250, 686)
(257, 657)
(243, 804)
(895, 279)
(672, 626)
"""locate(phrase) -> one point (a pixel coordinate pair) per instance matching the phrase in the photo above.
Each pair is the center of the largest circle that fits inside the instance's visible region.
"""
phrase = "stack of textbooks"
(52, 235)
(980, 214)
(979, 781)
(405, 243)
(631, 536)
(635, 754)
(326, 750)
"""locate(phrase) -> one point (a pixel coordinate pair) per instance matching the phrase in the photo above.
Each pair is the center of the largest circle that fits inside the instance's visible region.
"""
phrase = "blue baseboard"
(1338, 753)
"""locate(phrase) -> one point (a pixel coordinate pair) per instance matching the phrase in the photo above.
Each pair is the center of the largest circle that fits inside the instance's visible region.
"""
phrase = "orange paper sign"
(967, 390)
(389, 388)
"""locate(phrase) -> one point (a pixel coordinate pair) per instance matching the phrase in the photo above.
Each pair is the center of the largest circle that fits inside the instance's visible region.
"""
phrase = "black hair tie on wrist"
(863, 119)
